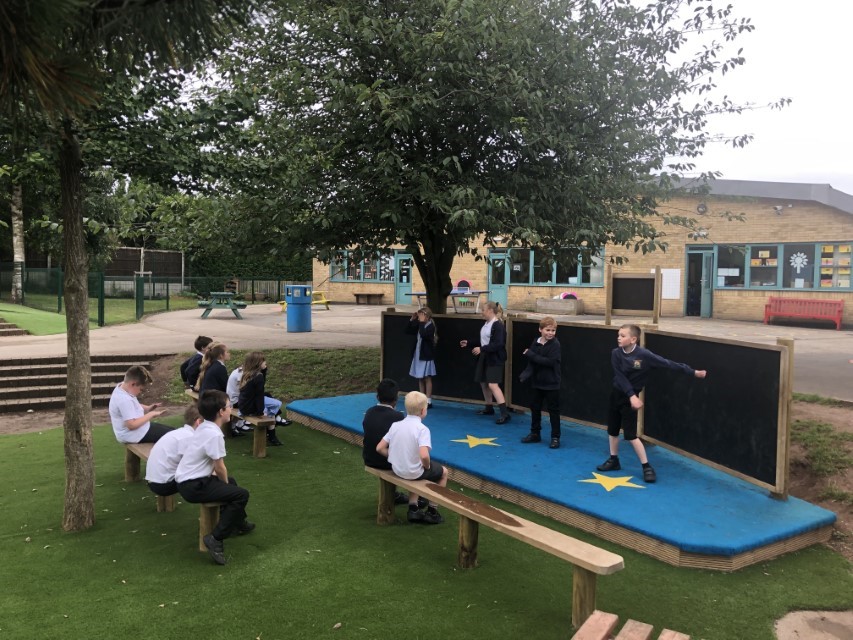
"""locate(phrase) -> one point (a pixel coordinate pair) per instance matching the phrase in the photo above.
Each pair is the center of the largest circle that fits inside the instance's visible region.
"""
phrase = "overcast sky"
(803, 51)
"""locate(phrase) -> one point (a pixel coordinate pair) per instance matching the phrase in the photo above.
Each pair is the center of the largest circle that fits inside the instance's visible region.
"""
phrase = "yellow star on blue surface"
(474, 441)
(611, 483)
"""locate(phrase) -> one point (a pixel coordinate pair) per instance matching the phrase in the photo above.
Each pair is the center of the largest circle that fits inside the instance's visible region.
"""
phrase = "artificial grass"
(318, 559)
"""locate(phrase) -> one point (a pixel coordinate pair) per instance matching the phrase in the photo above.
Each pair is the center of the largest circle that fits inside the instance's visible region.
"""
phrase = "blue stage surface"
(692, 507)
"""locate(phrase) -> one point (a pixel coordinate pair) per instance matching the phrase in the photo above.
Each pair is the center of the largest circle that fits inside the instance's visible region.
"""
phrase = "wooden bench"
(588, 560)
(260, 423)
(364, 297)
(317, 297)
(807, 308)
(601, 625)
(208, 511)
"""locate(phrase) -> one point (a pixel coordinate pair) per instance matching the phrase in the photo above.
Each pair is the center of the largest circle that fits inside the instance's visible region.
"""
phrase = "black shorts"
(621, 416)
(433, 474)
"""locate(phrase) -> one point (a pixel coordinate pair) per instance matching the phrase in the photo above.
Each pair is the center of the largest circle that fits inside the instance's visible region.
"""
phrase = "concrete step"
(42, 404)
(47, 391)
(58, 379)
(126, 360)
(12, 332)
(60, 368)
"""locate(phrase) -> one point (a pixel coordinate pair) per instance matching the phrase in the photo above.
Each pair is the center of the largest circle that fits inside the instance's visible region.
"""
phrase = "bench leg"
(469, 535)
(208, 518)
(583, 595)
(165, 504)
(259, 444)
(385, 510)
(131, 467)
(237, 313)
(206, 313)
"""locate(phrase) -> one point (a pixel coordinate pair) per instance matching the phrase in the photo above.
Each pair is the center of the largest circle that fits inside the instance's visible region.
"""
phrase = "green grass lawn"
(318, 559)
(116, 311)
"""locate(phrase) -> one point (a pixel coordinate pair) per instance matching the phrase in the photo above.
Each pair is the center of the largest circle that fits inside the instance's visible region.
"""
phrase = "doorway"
(699, 296)
(497, 276)
(403, 281)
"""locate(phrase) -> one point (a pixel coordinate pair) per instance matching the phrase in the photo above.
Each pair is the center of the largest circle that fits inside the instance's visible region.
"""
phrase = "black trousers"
(212, 489)
(164, 488)
(155, 432)
(551, 399)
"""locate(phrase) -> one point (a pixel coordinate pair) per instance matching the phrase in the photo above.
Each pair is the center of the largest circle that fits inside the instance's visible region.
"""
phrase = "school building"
(752, 240)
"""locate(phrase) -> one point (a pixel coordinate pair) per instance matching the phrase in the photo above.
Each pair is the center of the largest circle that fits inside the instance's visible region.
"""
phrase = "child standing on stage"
(423, 360)
(490, 350)
(253, 401)
(543, 371)
(631, 366)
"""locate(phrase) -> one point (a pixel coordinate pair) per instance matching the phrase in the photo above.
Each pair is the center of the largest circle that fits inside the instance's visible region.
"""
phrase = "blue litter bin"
(298, 298)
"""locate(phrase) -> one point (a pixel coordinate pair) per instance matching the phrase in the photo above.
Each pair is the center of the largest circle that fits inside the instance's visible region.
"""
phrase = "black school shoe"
(415, 516)
(532, 437)
(245, 527)
(649, 474)
(432, 516)
(488, 410)
(503, 419)
(555, 443)
(400, 498)
(215, 548)
(236, 433)
(610, 465)
(282, 422)
(272, 439)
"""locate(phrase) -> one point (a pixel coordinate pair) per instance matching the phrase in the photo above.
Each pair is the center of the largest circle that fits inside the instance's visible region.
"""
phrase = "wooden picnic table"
(469, 299)
(221, 300)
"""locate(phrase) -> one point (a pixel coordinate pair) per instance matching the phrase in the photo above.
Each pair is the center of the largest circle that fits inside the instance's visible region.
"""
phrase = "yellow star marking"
(474, 441)
(611, 483)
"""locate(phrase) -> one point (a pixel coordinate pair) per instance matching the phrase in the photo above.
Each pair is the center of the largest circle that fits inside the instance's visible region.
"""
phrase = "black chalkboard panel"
(731, 417)
(454, 366)
(634, 293)
(586, 372)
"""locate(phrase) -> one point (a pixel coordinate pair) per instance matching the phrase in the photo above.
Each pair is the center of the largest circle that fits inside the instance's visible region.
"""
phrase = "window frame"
(756, 267)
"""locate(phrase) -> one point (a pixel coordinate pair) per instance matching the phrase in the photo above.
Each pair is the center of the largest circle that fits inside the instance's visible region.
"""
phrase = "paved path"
(821, 356)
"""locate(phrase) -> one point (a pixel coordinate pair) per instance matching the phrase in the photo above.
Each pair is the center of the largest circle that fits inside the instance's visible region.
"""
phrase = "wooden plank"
(634, 630)
(385, 509)
(582, 554)
(668, 634)
(598, 626)
(208, 518)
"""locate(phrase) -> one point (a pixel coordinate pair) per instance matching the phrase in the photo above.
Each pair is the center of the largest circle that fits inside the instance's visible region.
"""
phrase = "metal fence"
(120, 299)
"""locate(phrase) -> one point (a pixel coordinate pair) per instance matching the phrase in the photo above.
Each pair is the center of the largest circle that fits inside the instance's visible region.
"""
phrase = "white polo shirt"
(123, 407)
(206, 446)
(166, 454)
(233, 386)
(405, 438)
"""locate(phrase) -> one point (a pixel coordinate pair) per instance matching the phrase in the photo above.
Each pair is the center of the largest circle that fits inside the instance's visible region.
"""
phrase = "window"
(731, 266)
(798, 265)
(763, 266)
(567, 267)
(795, 265)
(519, 266)
(376, 268)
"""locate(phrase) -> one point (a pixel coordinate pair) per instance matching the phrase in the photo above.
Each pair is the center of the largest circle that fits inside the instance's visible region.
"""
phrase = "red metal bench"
(804, 308)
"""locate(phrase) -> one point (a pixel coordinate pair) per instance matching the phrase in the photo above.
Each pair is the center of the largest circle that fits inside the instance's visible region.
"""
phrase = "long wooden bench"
(804, 308)
(366, 297)
(601, 625)
(588, 560)
(208, 511)
(260, 423)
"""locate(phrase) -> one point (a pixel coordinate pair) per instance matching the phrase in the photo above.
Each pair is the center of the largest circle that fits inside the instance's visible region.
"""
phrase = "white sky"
(801, 50)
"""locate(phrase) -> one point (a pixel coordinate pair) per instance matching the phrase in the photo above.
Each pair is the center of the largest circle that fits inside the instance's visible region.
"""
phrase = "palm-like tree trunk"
(79, 512)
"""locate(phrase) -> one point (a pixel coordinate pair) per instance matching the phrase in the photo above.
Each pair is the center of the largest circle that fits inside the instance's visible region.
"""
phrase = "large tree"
(57, 58)
(429, 124)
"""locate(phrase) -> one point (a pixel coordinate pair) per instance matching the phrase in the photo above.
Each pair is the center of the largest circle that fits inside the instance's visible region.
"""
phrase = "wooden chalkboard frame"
(651, 308)
(779, 488)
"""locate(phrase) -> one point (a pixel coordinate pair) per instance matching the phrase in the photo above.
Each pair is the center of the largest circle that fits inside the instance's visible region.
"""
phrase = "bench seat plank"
(634, 630)
(599, 626)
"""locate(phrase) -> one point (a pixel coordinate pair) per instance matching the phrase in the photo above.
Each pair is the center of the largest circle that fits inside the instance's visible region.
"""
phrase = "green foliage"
(825, 447)
(429, 124)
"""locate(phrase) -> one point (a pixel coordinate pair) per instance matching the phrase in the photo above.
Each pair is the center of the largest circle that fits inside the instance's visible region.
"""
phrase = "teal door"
(497, 277)
(403, 279)
(707, 284)
(700, 282)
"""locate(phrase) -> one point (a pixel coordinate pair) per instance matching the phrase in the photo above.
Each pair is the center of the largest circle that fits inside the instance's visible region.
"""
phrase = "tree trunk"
(434, 264)
(17, 209)
(79, 512)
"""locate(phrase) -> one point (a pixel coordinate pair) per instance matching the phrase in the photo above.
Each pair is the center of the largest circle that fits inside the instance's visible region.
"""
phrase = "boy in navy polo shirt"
(631, 366)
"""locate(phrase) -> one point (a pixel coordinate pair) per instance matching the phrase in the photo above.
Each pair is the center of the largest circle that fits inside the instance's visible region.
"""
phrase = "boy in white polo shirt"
(166, 454)
(202, 477)
(132, 420)
(407, 446)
